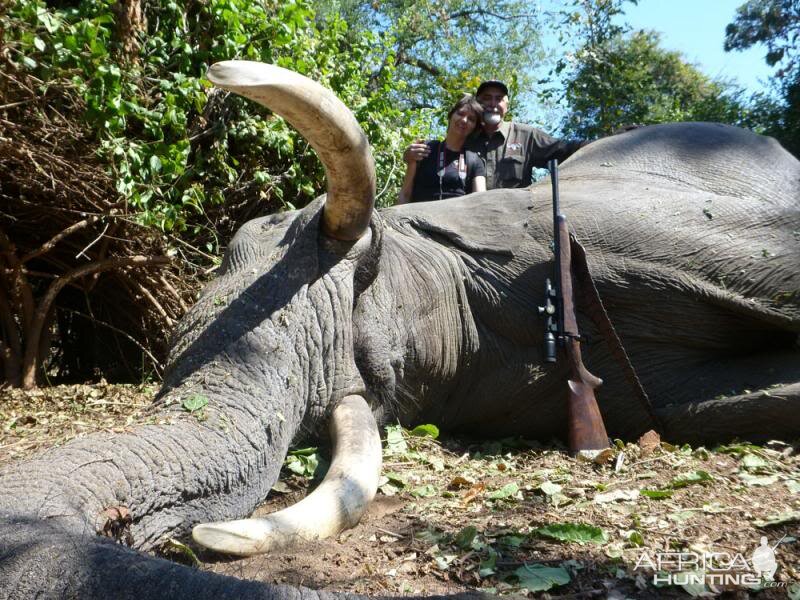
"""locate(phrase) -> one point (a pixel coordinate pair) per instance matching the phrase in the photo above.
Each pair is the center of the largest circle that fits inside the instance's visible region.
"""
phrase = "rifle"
(585, 423)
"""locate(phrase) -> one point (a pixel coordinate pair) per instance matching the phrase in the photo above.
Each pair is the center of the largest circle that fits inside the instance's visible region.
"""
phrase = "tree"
(616, 77)
(630, 79)
(117, 156)
(442, 49)
(775, 23)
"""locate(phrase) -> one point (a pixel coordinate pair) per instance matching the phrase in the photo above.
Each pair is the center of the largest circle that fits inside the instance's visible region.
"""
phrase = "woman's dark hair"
(469, 101)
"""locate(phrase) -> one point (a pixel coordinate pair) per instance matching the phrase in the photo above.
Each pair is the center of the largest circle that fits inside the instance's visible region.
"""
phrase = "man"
(510, 150)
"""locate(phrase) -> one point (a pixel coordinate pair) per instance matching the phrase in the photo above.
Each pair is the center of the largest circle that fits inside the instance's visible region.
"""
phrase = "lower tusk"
(337, 504)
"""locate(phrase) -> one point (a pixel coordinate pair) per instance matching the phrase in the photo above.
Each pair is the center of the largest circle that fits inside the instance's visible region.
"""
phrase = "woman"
(447, 170)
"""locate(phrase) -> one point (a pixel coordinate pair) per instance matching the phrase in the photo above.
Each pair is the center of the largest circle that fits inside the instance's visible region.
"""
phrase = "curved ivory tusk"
(329, 127)
(337, 504)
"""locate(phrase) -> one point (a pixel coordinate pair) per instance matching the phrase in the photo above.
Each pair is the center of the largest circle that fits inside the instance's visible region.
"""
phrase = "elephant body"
(691, 235)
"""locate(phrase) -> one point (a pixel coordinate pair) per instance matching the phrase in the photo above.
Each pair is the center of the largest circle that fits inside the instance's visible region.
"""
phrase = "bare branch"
(488, 13)
(420, 64)
(49, 244)
(30, 360)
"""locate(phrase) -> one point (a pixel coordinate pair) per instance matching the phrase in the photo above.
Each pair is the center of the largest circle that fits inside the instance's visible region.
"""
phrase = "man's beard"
(491, 118)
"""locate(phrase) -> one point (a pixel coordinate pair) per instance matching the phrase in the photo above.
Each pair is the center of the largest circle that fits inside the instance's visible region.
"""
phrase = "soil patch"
(504, 516)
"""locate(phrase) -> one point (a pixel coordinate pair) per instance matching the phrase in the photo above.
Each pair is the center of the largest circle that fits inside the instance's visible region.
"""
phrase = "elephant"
(341, 314)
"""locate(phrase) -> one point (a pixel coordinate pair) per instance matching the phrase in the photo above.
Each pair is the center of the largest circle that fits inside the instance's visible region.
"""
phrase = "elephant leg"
(748, 416)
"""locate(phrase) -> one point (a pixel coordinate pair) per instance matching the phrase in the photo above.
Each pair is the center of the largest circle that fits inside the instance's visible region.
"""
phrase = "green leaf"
(424, 491)
(465, 537)
(539, 578)
(305, 465)
(396, 479)
(431, 431)
(573, 532)
(656, 494)
(395, 441)
(488, 564)
(173, 546)
(752, 462)
(304, 451)
(636, 538)
(693, 478)
(194, 403)
(507, 491)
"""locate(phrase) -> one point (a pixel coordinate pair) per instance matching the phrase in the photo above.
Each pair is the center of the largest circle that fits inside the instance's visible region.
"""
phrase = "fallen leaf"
(778, 519)
(615, 495)
(573, 532)
(539, 578)
(757, 481)
(549, 488)
(474, 492)
(649, 442)
(459, 482)
(695, 477)
(656, 494)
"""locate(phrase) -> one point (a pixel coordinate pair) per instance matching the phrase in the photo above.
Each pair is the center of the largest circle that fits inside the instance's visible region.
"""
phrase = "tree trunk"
(131, 25)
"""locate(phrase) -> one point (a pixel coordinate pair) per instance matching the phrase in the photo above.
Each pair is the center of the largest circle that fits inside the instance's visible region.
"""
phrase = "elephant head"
(424, 312)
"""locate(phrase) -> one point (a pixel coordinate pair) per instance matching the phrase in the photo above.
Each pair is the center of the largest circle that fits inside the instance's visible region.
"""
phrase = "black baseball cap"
(492, 83)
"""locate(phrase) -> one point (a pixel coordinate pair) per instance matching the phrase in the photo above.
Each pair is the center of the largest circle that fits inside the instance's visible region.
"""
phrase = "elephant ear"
(495, 226)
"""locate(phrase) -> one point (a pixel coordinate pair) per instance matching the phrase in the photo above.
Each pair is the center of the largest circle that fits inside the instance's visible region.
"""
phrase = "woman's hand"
(416, 151)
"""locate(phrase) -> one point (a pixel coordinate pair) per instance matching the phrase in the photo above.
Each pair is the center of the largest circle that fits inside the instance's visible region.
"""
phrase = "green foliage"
(425, 430)
(615, 78)
(443, 49)
(573, 532)
(303, 462)
(693, 478)
(540, 578)
(194, 403)
(776, 24)
(632, 80)
(174, 146)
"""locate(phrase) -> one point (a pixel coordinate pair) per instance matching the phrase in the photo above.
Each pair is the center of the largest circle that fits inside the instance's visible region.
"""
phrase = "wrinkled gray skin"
(432, 318)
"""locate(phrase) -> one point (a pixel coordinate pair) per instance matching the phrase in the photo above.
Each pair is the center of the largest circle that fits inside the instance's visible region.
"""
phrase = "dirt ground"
(505, 517)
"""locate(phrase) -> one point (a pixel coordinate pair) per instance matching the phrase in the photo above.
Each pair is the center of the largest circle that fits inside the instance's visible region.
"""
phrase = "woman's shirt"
(460, 170)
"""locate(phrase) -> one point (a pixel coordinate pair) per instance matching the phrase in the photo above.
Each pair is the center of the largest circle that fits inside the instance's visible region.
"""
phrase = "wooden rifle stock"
(585, 423)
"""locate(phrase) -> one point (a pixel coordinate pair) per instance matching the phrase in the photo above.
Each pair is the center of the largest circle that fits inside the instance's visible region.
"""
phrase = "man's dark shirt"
(426, 180)
(514, 150)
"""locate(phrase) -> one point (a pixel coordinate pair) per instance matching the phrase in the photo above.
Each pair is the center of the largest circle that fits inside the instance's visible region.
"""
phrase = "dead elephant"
(427, 313)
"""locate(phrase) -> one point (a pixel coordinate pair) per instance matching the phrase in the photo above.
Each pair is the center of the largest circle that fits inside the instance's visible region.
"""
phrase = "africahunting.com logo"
(718, 571)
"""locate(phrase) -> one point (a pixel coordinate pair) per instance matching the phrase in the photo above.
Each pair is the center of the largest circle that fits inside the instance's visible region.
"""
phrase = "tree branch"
(420, 64)
(30, 362)
(49, 244)
(488, 13)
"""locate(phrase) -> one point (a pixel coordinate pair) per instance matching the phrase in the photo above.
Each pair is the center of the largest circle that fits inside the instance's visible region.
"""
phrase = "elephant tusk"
(329, 127)
(337, 504)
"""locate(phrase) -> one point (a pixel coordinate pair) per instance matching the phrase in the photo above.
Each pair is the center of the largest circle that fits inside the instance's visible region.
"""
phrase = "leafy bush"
(176, 147)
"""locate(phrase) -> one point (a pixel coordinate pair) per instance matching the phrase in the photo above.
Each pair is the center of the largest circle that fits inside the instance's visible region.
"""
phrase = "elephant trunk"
(337, 504)
(329, 127)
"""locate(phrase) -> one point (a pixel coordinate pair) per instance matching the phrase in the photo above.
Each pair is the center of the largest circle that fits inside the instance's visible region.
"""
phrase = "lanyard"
(462, 167)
